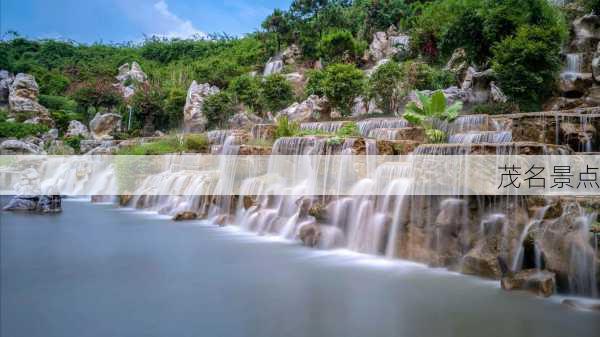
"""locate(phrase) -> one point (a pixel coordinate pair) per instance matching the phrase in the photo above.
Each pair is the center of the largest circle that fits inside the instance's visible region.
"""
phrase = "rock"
(458, 64)
(496, 94)
(379, 63)
(540, 282)
(124, 199)
(291, 54)
(59, 148)
(481, 262)
(129, 78)
(363, 107)
(6, 80)
(595, 64)
(388, 45)
(23, 101)
(18, 147)
(243, 120)
(297, 81)
(575, 84)
(193, 117)
(76, 128)
(49, 204)
(452, 95)
(580, 305)
(51, 135)
(309, 234)
(587, 32)
(187, 215)
(476, 85)
(304, 111)
(22, 204)
(248, 201)
(103, 127)
(86, 146)
(158, 134)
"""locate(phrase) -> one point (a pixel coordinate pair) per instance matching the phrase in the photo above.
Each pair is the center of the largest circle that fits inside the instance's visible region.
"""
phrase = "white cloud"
(172, 25)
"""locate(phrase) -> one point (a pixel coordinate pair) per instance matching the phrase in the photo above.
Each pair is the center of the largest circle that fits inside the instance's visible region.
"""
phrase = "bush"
(277, 92)
(340, 46)
(217, 108)
(196, 143)
(341, 85)
(315, 84)
(147, 105)
(592, 6)
(527, 64)
(58, 102)
(173, 106)
(166, 145)
(285, 128)
(20, 130)
(246, 89)
(386, 87)
(421, 76)
(74, 142)
(348, 130)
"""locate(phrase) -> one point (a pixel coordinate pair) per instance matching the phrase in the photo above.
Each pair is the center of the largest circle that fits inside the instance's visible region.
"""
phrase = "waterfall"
(573, 66)
(367, 125)
(273, 66)
(494, 137)
(328, 127)
(518, 258)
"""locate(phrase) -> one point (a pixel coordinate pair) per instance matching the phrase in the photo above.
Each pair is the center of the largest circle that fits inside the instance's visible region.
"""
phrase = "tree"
(218, 108)
(431, 109)
(385, 86)
(527, 65)
(341, 85)
(278, 24)
(276, 92)
(245, 89)
(96, 94)
(147, 104)
(339, 46)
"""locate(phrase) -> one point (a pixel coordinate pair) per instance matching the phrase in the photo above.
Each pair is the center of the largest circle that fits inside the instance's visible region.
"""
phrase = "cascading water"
(367, 125)
(493, 137)
(273, 66)
(328, 127)
(573, 66)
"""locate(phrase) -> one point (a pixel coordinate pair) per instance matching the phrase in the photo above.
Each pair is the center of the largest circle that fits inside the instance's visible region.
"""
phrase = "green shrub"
(340, 46)
(315, 84)
(20, 130)
(173, 105)
(285, 128)
(218, 108)
(58, 102)
(592, 6)
(527, 65)
(277, 92)
(348, 130)
(432, 108)
(421, 76)
(246, 89)
(341, 85)
(386, 87)
(196, 143)
(167, 145)
(74, 142)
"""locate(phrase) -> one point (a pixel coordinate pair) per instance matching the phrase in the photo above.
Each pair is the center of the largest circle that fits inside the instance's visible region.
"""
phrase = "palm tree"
(432, 108)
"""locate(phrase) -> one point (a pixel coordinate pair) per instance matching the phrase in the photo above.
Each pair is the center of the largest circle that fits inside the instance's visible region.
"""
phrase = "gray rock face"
(41, 204)
(23, 100)
(244, 120)
(18, 147)
(458, 63)
(496, 94)
(304, 111)
(193, 117)
(596, 64)
(76, 128)
(363, 107)
(587, 31)
(274, 66)
(6, 80)
(291, 54)
(129, 77)
(103, 127)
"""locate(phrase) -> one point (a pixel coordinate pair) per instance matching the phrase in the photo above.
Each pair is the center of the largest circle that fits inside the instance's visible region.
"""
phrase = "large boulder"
(23, 100)
(6, 80)
(362, 107)
(41, 204)
(129, 78)
(104, 126)
(193, 117)
(477, 85)
(19, 147)
(540, 282)
(76, 128)
(304, 111)
(274, 66)
(595, 64)
(291, 54)
(587, 32)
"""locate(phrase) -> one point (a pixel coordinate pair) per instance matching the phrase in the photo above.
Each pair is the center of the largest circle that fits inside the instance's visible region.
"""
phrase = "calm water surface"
(99, 271)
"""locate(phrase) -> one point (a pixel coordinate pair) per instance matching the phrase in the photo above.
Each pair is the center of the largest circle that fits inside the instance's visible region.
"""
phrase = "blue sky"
(128, 20)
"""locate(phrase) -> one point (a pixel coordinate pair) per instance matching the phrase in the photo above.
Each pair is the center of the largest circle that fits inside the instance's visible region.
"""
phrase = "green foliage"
(173, 104)
(592, 6)
(342, 83)
(166, 145)
(63, 117)
(340, 46)
(57, 102)
(20, 130)
(421, 76)
(98, 93)
(285, 128)
(386, 87)
(277, 92)
(147, 104)
(246, 89)
(348, 130)
(527, 64)
(196, 143)
(432, 108)
(316, 83)
(496, 108)
(74, 142)
(218, 108)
